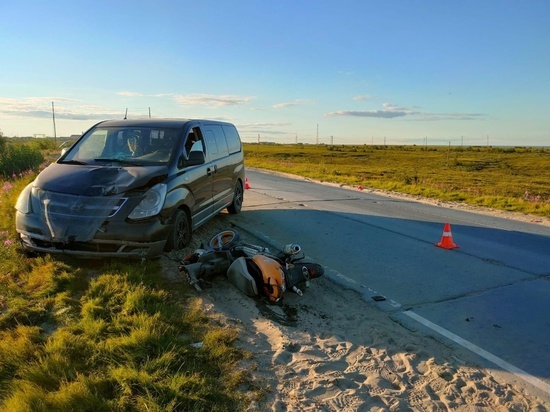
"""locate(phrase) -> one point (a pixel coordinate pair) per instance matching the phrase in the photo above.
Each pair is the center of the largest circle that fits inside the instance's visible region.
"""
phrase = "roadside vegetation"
(106, 335)
(514, 179)
(18, 158)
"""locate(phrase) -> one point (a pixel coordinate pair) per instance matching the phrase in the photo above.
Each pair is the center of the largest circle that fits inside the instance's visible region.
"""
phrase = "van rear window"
(233, 139)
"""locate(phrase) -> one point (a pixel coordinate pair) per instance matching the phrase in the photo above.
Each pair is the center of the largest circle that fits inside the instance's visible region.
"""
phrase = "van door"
(198, 178)
(222, 186)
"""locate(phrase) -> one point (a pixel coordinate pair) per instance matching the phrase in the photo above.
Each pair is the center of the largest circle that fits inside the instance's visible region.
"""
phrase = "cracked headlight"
(152, 204)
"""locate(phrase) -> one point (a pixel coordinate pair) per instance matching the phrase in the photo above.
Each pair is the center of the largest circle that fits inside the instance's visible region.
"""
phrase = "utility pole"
(258, 138)
(54, 131)
(317, 140)
(149, 112)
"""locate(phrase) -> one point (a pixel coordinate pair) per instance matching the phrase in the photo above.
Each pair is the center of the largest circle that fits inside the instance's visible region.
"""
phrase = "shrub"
(17, 158)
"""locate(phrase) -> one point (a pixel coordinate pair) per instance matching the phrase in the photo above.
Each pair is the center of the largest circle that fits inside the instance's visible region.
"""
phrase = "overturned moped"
(253, 269)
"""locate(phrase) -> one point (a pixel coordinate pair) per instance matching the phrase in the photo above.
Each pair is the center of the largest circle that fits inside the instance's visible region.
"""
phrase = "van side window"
(220, 141)
(193, 141)
(233, 139)
(211, 144)
(215, 142)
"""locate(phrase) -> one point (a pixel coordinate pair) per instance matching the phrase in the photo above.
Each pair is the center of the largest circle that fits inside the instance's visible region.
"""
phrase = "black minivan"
(133, 188)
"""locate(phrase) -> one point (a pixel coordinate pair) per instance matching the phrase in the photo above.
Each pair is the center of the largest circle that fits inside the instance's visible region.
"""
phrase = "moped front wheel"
(224, 240)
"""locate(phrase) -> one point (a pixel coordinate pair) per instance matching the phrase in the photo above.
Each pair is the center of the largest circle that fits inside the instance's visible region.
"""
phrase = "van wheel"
(180, 236)
(238, 197)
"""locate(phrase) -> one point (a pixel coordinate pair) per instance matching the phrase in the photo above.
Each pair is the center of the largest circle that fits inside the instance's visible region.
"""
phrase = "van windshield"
(130, 145)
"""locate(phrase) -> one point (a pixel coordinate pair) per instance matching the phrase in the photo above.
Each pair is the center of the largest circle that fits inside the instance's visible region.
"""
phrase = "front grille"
(70, 218)
(59, 204)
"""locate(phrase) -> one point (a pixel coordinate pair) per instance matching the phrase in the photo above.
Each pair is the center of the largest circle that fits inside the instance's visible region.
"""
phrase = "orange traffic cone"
(447, 238)
(246, 184)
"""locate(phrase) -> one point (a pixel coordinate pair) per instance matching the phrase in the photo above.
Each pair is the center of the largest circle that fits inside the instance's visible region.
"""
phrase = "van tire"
(180, 235)
(238, 197)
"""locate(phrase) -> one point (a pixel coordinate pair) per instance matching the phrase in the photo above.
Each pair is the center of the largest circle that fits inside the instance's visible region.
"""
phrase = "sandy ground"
(330, 350)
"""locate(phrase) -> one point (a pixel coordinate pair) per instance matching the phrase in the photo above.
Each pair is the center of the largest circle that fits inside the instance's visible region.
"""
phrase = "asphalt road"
(490, 295)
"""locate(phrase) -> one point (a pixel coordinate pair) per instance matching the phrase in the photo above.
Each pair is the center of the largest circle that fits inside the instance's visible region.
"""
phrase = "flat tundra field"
(510, 179)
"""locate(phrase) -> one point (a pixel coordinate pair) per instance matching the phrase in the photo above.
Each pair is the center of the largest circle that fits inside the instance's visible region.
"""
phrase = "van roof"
(175, 123)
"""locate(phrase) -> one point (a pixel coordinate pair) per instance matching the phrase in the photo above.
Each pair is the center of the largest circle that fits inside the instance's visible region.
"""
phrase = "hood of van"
(89, 180)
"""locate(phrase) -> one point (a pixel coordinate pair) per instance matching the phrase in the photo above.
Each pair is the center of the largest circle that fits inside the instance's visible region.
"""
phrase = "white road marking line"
(481, 352)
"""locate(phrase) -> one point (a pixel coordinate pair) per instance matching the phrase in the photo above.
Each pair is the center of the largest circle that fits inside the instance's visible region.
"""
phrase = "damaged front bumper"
(92, 227)
(95, 248)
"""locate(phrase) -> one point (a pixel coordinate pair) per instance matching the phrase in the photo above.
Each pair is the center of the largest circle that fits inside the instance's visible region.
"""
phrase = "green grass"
(512, 179)
(119, 340)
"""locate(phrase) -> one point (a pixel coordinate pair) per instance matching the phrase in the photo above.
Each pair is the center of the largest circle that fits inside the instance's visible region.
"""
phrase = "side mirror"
(195, 158)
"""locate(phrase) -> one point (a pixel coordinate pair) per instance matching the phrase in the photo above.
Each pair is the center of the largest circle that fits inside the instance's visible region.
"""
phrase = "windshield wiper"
(72, 162)
(114, 159)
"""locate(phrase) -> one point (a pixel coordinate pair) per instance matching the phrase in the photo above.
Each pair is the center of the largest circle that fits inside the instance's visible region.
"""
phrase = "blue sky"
(347, 72)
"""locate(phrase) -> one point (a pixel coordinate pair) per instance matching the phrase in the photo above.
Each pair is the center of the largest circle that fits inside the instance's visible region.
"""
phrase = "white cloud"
(430, 117)
(390, 111)
(211, 100)
(362, 97)
(64, 108)
(263, 128)
(256, 126)
(129, 94)
(283, 105)
(387, 114)
(296, 102)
